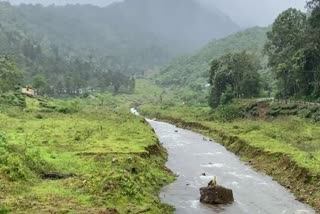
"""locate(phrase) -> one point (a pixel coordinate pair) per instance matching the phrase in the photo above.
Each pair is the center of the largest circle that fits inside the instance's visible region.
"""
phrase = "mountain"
(136, 34)
(192, 71)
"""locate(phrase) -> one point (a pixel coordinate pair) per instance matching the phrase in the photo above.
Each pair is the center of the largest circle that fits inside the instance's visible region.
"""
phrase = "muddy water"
(190, 155)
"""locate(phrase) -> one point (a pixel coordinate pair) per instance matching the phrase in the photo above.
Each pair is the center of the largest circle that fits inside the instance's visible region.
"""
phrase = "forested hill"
(63, 49)
(195, 69)
(135, 33)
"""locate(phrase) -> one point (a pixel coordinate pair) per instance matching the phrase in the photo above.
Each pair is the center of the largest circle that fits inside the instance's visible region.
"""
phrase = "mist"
(245, 13)
(248, 13)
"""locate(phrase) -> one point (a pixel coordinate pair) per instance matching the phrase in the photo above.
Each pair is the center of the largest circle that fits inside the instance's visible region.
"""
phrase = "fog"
(245, 13)
(254, 12)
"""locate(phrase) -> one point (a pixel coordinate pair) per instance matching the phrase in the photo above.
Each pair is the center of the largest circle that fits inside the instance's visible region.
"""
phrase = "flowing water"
(191, 155)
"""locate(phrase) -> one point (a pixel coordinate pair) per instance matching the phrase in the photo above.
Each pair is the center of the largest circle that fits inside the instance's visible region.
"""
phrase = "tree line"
(293, 51)
(53, 71)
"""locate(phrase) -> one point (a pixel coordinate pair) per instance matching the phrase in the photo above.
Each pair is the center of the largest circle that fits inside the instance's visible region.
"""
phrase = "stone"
(216, 195)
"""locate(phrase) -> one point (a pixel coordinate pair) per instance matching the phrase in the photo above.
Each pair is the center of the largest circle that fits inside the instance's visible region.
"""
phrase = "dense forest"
(68, 49)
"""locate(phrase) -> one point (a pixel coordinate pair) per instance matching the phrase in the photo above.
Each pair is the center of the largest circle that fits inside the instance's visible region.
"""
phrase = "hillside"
(194, 69)
(133, 34)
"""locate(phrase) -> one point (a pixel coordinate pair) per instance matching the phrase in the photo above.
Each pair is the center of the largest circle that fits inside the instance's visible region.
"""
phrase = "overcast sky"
(244, 12)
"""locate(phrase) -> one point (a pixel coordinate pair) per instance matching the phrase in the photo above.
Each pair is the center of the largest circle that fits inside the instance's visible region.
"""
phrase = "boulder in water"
(216, 195)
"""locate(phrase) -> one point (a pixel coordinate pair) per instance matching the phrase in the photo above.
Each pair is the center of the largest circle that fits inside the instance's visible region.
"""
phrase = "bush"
(304, 113)
(18, 162)
(13, 99)
(69, 107)
(4, 210)
(227, 112)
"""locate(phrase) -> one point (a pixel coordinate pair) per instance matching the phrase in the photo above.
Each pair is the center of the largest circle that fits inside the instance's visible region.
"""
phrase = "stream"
(191, 155)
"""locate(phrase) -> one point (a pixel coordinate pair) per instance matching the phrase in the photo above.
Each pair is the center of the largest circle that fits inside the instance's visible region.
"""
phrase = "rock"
(176, 131)
(216, 195)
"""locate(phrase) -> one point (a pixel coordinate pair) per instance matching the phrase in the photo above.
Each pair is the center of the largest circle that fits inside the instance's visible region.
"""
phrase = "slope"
(193, 70)
(134, 33)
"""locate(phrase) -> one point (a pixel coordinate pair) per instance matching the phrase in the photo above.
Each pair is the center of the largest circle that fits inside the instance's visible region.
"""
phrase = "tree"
(313, 53)
(39, 83)
(234, 76)
(285, 42)
(10, 76)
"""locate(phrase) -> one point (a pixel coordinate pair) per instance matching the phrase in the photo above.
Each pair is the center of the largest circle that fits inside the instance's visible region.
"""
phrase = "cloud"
(244, 12)
(63, 2)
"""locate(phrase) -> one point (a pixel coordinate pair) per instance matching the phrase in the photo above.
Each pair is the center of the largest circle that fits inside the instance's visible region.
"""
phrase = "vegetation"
(90, 155)
(189, 74)
(9, 75)
(233, 76)
(110, 159)
(73, 45)
(293, 52)
(288, 55)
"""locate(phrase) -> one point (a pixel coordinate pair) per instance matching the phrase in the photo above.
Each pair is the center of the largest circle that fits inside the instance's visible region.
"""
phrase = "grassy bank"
(79, 156)
(287, 148)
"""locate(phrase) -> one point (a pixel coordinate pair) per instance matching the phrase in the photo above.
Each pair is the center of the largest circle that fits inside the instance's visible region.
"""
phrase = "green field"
(113, 157)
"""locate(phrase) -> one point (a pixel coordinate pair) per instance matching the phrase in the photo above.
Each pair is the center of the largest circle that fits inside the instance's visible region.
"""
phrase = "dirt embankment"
(299, 180)
(268, 109)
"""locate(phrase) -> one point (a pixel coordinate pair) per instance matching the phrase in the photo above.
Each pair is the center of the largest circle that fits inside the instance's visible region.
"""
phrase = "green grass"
(106, 148)
(296, 137)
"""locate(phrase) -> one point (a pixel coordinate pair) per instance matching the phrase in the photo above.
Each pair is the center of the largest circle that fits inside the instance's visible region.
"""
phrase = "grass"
(114, 155)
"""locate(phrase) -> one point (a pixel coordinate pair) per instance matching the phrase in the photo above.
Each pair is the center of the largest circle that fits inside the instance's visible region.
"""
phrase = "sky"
(245, 13)
(254, 12)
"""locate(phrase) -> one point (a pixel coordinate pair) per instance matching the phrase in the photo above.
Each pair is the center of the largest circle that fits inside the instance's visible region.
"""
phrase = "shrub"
(227, 112)
(18, 162)
(13, 99)
(69, 107)
(304, 113)
(4, 210)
